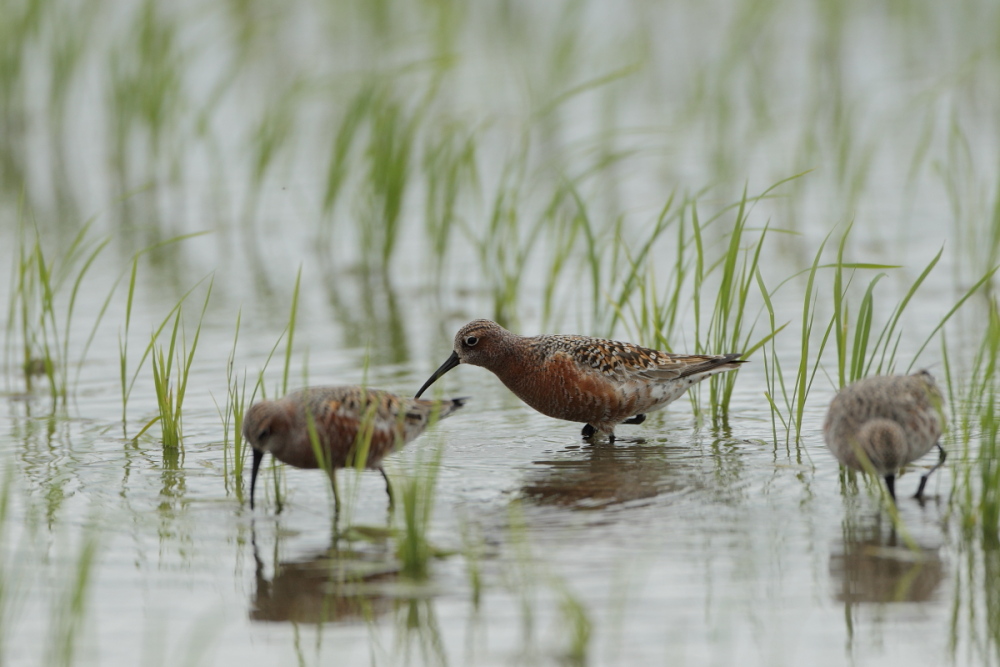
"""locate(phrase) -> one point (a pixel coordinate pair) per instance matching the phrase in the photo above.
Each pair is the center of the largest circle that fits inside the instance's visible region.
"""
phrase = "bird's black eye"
(471, 340)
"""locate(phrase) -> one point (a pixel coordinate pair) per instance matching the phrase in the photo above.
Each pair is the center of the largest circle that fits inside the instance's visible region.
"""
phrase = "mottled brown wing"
(611, 358)
(675, 366)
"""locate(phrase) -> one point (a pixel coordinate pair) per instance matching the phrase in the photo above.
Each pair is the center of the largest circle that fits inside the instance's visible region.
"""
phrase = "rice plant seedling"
(170, 411)
(69, 42)
(977, 492)
(508, 239)
(289, 335)
(417, 493)
(984, 281)
(391, 128)
(364, 442)
(18, 33)
(269, 137)
(974, 203)
(859, 356)
(449, 163)
(795, 400)
(773, 376)
(561, 223)
(581, 222)
(170, 391)
(725, 329)
(654, 320)
(341, 151)
(881, 350)
(567, 218)
(232, 421)
(127, 383)
(841, 319)
(145, 92)
(975, 496)
(882, 358)
(391, 141)
(290, 331)
(126, 387)
(36, 309)
(516, 230)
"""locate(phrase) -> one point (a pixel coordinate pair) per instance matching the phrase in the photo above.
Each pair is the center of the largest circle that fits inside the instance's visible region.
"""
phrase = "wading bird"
(327, 427)
(886, 421)
(600, 383)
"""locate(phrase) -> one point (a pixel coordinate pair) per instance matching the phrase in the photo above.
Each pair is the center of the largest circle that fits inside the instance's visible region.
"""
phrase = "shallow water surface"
(677, 542)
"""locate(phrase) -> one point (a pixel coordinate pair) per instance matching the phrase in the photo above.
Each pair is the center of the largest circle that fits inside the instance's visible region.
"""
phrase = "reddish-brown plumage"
(595, 381)
(347, 421)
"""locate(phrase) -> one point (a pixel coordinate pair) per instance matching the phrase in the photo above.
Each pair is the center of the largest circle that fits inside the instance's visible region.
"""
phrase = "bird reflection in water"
(335, 584)
(356, 583)
(874, 567)
(348, 584)
(602, 474)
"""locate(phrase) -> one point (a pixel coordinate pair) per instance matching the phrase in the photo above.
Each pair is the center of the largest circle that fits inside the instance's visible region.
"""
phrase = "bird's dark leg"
(336, 500)
(890, 482)
(388, 488)
(923, 478)
(638, 419)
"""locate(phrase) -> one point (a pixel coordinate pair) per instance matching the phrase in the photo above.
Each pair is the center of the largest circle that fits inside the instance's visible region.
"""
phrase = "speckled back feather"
(623, 361)
(344, 417)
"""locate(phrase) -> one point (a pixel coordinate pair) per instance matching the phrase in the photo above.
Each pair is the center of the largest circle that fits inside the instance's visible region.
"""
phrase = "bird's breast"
(560, 387)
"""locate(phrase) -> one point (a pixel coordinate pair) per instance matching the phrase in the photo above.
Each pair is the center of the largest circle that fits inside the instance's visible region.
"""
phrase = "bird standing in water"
(345, 420)
(887, 421)
(600, 383)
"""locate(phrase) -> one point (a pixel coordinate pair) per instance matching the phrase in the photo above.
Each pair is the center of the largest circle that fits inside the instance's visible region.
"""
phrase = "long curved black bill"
(453, 361)
(257, 456)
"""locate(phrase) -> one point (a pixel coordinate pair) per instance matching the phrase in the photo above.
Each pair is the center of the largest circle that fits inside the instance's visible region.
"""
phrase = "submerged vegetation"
(360, 177)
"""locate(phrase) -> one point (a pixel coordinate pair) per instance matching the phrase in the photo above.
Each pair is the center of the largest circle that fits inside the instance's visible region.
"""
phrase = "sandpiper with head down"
(884, 422)
(600, 383)
(346, 420)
